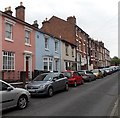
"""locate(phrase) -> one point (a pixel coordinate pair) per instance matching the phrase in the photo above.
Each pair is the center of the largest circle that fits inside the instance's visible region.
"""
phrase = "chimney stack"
(71, 19)
(8, 10)
(20, 12)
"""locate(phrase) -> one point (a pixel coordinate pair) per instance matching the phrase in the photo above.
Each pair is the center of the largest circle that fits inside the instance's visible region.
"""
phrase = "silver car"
(12, 97)
(47, 84)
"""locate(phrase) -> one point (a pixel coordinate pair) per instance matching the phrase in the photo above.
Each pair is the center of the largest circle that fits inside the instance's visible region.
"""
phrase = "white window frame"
(56, 46)
(29, 30)
(27, 38)
(9, 59)
(10, 31)
(46, 45)
(72, 51)
(11, 23)
(48, 60)
(66, 49)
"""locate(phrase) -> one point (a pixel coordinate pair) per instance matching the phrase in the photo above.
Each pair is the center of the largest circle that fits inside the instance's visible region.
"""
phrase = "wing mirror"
(9, 88)
(54, 79)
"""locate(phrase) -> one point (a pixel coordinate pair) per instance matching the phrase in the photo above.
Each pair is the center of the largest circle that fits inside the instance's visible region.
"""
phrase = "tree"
(115, 61)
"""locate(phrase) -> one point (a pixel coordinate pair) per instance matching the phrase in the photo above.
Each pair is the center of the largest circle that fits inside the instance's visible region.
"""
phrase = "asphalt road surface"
(94, 98)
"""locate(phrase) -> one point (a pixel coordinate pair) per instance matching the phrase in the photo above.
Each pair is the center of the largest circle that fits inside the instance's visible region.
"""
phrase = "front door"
(27, 67)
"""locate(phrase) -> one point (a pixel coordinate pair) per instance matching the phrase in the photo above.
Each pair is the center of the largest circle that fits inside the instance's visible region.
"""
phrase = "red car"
(74, 78)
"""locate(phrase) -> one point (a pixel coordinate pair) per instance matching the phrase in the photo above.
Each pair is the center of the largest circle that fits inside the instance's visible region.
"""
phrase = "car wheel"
(50, 92)
(75, 84)
(22, 102)
(66, 87)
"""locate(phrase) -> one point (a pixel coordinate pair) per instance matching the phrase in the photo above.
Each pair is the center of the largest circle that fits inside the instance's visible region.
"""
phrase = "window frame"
(56, 46)
(29, 30)
(8, 31)
(66, 49)
(10, 60)
(49, 61)
(27, 37)
(11, 23)
(46, 45)
(72, 51)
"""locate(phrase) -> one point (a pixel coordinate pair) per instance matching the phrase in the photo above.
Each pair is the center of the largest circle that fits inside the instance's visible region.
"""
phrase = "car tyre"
(50, 92)
(22, 102)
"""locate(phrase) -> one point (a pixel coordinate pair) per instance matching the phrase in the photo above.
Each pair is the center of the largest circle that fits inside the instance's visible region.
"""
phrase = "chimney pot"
(6, 9)
(21, 3)
(9, 8)
(35, 24)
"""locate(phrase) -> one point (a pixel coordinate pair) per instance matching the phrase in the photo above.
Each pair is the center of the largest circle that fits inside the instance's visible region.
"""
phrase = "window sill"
(8, 70)
(46, 49)
(26, 44)
(10, 40)
(56, 52)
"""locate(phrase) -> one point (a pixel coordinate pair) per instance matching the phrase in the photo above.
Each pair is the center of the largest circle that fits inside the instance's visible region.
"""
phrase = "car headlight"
(42, 86)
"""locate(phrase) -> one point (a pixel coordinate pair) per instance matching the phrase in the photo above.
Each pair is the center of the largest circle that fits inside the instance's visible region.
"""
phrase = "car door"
(62, 81)
(56, 83)
(8, 96)
(75, 75)
(78, 77)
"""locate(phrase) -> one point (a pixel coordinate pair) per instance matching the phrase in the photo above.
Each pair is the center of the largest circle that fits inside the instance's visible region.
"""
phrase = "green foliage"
(115, 61)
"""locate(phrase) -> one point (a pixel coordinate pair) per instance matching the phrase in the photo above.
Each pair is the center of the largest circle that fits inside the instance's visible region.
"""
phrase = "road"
(94, 98)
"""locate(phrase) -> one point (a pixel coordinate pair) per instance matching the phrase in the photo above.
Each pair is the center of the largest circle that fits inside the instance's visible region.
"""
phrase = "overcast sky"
(98, 18)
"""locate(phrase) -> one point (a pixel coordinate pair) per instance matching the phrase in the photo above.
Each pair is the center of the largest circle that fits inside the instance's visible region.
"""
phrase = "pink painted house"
(18, 45)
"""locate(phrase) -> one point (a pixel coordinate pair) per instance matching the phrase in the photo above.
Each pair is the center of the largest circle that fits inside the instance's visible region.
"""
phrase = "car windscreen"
(89, 72)
(68, 74)
(81, 72)
(95, 71)
(42, 77)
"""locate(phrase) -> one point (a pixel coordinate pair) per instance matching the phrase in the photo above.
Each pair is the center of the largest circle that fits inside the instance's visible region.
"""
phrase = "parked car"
(74, 78)
(97, 73)
(47, 84)
(108, 71)
(87, 75)
(104, 73)
(12, 97)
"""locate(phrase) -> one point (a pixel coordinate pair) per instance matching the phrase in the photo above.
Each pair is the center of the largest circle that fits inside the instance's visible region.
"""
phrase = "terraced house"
(17, 45)
(48, 52)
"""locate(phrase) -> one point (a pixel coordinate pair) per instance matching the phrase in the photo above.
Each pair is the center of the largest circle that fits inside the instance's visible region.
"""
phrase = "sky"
(98, 18)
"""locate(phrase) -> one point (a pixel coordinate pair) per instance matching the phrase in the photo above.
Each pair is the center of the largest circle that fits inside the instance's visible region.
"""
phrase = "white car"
(12, 97)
